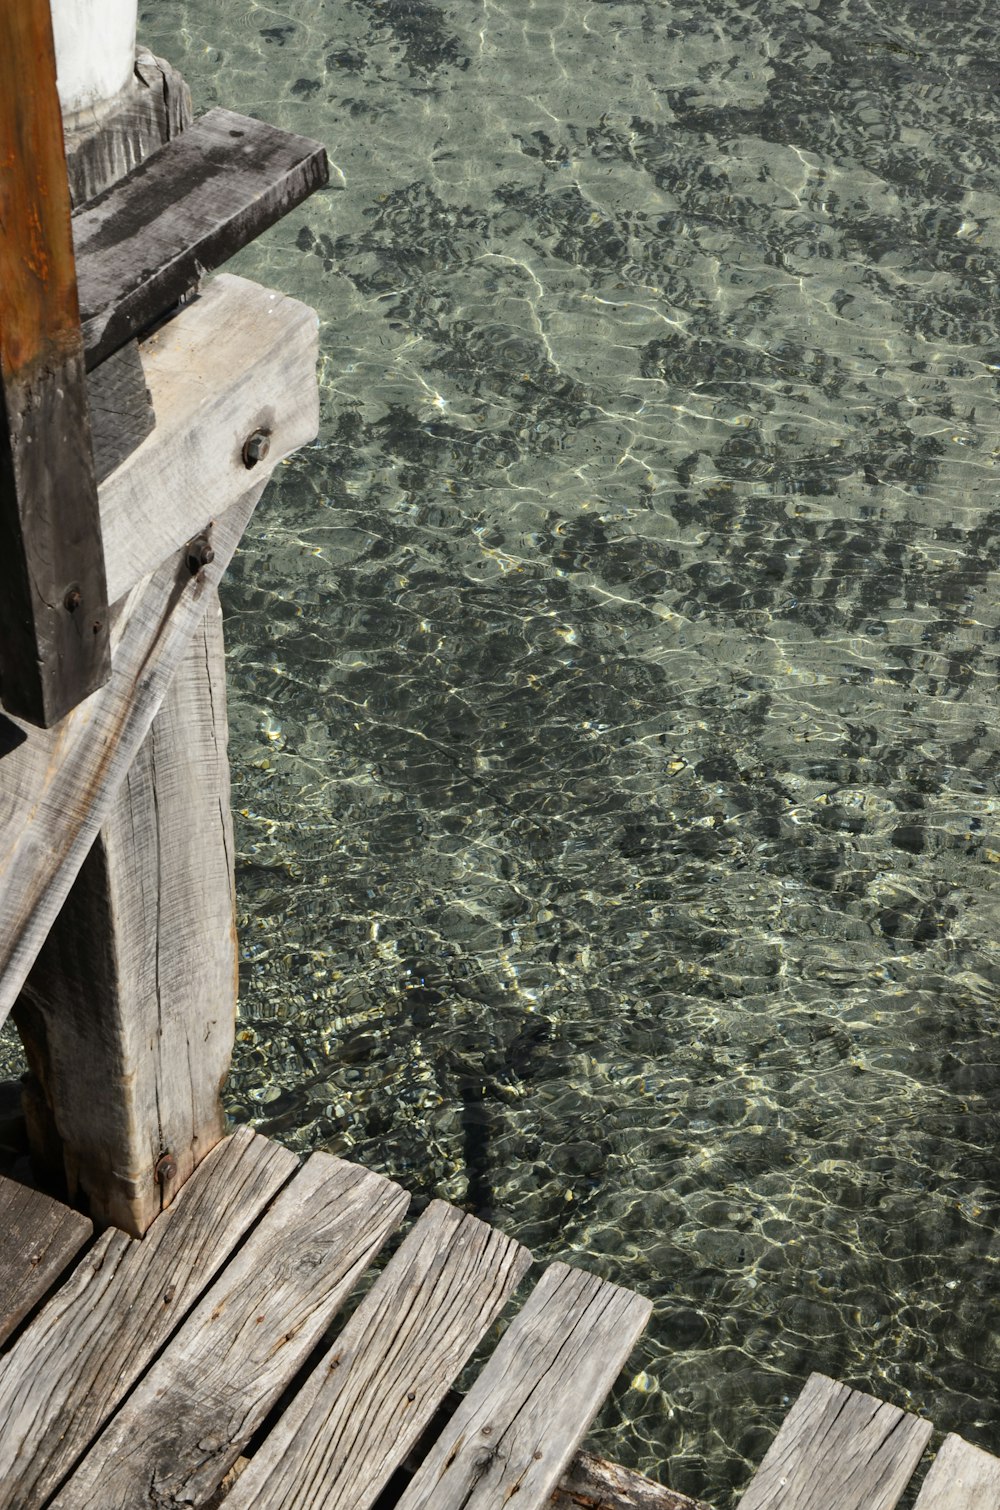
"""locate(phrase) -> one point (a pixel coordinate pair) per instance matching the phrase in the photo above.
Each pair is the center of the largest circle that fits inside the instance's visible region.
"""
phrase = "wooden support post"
(128, 1015)
(53, 606)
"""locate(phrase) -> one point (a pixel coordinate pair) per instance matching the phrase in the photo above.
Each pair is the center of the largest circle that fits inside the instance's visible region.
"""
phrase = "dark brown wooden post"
(53, 613)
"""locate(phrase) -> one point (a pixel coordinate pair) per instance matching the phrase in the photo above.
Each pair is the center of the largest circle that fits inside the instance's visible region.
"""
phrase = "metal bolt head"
(166, 1169)
(199, 553)
(256, 447)
(72, 600)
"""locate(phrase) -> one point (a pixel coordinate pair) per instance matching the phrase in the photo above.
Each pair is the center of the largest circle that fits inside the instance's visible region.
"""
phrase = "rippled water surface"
(614, 685)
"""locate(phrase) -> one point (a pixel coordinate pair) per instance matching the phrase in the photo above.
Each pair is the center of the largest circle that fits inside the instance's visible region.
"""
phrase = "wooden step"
(378, 1388)
(962, 1477)
(518, 1427)
(838, 1449)
(187, 1422)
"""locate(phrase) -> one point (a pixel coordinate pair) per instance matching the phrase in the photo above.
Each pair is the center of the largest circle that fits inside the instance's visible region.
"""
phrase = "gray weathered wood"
(183, 1428)
(53, 601)
(121, 413)
(131, 1065)
(520, 1424)
(240, 358)
(592, 1483)
(57, 786)
(147, 239)
(102, 148)
(38, 1237)
(356, 1417)
(838, 1449)
(962, 1477)
(80, 1356)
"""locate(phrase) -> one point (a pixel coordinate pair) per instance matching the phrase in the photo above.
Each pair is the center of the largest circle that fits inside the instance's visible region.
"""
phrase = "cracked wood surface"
(130, 1063)
(76, 1361)
(524, 1417)
(962, 1477)
(57, 786)
(38, 1238)
(377, 1389)
(838, 1449)
(187, 1422)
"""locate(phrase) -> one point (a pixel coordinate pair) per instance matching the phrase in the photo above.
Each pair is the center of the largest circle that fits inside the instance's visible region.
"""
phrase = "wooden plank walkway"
(839, 1449)
(157, 1363)
(190, 1368)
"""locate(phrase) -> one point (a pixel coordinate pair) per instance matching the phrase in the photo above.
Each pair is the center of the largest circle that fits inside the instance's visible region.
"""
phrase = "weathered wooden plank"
(184, 1427)
(962, 1477)
(53, 613)
(359, 1413)
(156, 107)
(592, 1483)
(147, 239)
(131, 1067)
(240, 359)
(520, 1424)
(121, 413)
(57, 786)
(38, 1237)
(838, 1449)
(78, 1359)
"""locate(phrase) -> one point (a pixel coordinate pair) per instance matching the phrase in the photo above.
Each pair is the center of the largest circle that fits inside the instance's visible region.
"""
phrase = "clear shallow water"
(613, 687)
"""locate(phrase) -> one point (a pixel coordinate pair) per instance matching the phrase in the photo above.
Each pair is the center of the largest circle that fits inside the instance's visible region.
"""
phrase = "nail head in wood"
(166, 1169)
(256, 447)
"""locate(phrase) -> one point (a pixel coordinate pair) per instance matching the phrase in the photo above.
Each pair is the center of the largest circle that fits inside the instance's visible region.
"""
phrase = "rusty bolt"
(72, 600)
(256, 447)
(199, 553)
(166, 1169)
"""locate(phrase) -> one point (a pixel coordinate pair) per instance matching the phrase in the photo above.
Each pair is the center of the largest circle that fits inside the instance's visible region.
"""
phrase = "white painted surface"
(95, 50)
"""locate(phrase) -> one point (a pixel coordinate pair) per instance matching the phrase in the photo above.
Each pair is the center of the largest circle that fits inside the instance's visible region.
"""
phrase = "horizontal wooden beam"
(57, 785)
(186, 209)
(238, 361)
(53, 604)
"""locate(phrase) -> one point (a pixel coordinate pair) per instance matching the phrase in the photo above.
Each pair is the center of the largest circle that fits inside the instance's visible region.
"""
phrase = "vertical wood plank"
(53, 609)
(128, 1014)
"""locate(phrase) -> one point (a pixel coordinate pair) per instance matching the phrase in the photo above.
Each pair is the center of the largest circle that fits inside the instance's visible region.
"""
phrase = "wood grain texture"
(240, 358)
(377, 1389)
(185, 1425)
(838, 1449)
(962, 1477)
(53, 618)
(101, 148)
(592, 1483)
(80, 1356)
(520, 1424)
(147, 239)
(38, 1238)
(121, 413)
(57, 786)
(131, 1063)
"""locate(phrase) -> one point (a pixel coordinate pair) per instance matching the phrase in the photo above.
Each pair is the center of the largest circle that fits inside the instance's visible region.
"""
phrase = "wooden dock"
(199, 1365)
(158, 1363)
